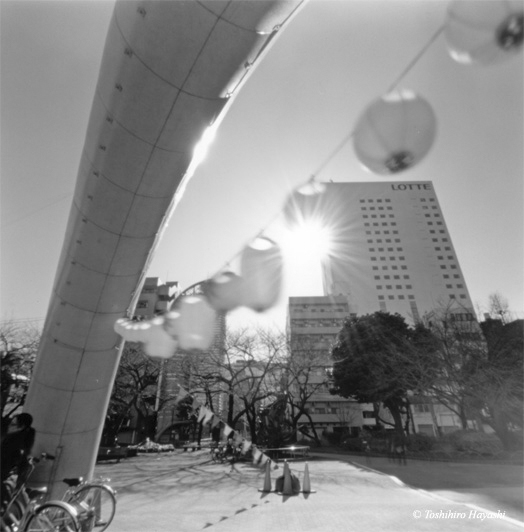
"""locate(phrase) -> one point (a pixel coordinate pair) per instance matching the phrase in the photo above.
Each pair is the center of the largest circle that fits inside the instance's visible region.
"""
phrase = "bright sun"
(310, 240)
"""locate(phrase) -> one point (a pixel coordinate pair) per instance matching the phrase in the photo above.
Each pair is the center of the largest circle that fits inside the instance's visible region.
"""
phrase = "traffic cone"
(307, 483)
(288, 485)
(267, 479)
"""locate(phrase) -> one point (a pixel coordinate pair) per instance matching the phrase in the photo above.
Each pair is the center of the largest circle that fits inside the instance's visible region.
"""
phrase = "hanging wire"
(416, 59)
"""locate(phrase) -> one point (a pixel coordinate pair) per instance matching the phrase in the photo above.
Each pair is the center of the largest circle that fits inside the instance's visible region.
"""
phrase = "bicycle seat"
(71, 482)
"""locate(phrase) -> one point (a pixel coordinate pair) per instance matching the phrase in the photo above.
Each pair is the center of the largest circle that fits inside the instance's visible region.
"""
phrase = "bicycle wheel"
(53, 517)
(100, 500)
(13, 516)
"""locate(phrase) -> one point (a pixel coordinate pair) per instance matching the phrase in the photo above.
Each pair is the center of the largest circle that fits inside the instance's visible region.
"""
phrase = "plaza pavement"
(186, 492)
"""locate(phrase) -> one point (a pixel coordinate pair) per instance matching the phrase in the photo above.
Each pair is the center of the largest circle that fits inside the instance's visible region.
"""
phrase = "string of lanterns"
(394, 133)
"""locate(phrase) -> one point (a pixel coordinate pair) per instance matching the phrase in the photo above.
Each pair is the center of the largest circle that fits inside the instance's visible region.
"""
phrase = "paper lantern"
(128, 329)
(484, 32)
(224, 291)
(192, 324)
(120, 327)
(158, 343)
(394, 133)
(304, 203)
(137, 331)
(261, 269)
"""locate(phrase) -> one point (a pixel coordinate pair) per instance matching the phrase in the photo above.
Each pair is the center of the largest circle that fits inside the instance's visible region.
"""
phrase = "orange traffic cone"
(267, 479)
(288, 485)
(306, 482)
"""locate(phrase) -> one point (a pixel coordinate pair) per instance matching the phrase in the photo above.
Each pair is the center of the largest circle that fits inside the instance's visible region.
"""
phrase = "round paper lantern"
(394, 133)
(304, 203)
(158, 342)
(484, 32)
(224, 291)
(262, 270)
(192, 324)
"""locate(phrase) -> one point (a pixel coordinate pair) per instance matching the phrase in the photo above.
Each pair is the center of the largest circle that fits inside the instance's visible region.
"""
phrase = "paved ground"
(186, 492)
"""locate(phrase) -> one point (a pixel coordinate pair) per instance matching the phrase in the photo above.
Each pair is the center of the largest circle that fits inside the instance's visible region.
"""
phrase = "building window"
(142, 304)
(391, 297)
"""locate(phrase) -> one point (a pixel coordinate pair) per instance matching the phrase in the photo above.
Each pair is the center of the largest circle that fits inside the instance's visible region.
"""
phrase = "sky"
(331, 61)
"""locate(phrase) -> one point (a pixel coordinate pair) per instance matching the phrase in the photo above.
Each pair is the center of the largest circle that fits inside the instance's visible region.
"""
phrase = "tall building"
(391, 249)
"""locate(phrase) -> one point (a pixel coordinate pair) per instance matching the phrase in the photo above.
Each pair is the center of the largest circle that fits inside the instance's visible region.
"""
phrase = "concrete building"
(313, 325)
(391, 249)
(155, 297)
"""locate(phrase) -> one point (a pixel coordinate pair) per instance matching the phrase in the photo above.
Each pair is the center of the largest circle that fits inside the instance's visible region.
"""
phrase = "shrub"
(420, 442)
(333, 438)
(353, 444)
(473, 442)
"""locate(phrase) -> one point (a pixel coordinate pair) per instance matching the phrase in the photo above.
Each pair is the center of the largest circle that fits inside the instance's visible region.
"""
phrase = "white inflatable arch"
(169, 71)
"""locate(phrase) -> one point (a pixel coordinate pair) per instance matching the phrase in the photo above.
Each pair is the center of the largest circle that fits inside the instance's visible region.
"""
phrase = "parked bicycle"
(225, 453)
(26, 512)
(94, 500)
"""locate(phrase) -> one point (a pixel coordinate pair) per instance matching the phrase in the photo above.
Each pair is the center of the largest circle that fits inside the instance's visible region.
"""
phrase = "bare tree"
(18, 347)
(307, 375)
(136, 396)
(460, 351)
(246, 374)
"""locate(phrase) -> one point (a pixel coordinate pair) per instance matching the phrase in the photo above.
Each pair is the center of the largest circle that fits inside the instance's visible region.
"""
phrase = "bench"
(111, 453)
(193, 446)
(291, 452)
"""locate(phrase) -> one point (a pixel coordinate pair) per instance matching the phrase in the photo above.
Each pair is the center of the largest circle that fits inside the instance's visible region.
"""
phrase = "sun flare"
(309, 240)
